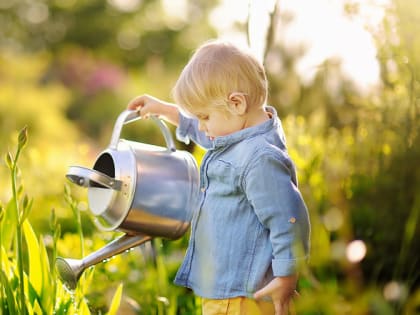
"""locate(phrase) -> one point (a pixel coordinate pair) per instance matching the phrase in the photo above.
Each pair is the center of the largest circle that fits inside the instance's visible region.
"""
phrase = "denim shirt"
(251, 216)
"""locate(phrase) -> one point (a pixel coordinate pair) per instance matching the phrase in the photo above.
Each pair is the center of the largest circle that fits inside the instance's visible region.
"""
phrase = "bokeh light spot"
(394, 291)
(333, 219)
(128, 39)
(36, 13)
(125, 5)
(356, 251)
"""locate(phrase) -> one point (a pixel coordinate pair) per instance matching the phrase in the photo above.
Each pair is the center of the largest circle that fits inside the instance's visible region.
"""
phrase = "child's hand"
(146, 104)
(281, 290)
(149, 106)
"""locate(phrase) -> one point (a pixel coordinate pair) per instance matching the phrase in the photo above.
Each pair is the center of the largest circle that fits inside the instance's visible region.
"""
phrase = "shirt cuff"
(182, 129)
(284, 267)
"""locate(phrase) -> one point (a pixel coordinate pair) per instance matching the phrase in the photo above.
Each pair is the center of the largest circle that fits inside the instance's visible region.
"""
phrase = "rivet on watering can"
(81, 181)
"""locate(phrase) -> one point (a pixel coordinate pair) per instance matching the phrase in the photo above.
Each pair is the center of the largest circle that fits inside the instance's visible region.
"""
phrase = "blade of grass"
(56, 232)
(12, 163)
(48, 294)
(10, 297)
(76, 213)
(34, 254)
(32, 296)
(116, 300)
(409, 235)
(37, 308)
(83, 308)
(8, 225)
(63, 308)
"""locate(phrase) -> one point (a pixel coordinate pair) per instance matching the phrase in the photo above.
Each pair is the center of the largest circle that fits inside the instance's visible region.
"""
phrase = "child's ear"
(237, 103)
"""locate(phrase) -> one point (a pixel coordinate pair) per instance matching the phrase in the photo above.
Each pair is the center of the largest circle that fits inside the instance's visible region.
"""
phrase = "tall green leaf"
(116, 300)
(8, 225)
(48, 288)
(10, 297)
(84, 308)
(34, 254)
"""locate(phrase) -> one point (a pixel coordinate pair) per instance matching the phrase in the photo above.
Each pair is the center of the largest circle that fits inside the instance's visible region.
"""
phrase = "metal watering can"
(141, 189)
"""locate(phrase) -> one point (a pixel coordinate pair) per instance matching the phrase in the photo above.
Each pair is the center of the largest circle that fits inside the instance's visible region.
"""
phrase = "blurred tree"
(100, 49)
(127, 32)
(357, 156)
(386, 196)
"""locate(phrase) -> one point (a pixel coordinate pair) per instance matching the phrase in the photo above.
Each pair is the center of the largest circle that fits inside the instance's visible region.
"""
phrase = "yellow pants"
(237, 306)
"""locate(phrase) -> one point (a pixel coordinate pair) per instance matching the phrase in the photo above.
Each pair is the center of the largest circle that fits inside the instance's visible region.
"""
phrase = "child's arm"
(271, 189)
(281, 290)
(187, 127)
(149, 105)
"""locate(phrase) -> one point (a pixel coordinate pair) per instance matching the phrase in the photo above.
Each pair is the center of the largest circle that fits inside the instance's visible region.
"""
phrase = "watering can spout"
(70, 270)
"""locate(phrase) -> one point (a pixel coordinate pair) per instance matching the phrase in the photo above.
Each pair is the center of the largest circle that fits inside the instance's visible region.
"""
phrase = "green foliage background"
(69, 67)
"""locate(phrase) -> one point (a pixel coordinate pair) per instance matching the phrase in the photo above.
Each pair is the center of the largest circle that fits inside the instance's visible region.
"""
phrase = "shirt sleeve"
(188, 130)
(270, 187)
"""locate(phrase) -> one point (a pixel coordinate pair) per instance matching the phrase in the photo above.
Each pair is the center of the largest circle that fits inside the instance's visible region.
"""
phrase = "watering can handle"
(128, 116)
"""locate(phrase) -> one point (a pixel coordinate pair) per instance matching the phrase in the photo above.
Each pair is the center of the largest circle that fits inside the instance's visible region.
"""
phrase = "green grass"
(29, 282)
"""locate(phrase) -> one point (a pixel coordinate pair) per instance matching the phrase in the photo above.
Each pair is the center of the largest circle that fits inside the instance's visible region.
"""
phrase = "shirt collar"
(240, 135)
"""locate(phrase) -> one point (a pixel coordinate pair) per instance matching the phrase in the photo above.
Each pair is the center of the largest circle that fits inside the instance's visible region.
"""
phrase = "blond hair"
(216, 70)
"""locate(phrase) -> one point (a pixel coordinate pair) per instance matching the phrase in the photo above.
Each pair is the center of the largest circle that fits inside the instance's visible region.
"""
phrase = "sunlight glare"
(225, 16)
(259, 21)
(328, 33)
(322, 26)
(176, 12)
(175, 8)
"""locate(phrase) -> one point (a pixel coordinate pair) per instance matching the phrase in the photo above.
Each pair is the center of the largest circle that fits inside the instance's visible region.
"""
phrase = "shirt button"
(203, 189)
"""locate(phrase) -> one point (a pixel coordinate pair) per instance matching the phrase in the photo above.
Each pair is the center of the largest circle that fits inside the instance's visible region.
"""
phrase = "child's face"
(216, 123)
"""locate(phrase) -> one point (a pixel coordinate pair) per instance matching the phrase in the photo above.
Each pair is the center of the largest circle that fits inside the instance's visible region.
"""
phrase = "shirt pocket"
(223, 178)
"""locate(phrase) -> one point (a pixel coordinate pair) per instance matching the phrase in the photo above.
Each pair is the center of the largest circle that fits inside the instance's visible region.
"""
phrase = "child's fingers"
(265, 291)
(136, 103)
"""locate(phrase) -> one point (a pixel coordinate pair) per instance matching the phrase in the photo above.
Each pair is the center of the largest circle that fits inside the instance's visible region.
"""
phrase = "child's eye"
(203, 117)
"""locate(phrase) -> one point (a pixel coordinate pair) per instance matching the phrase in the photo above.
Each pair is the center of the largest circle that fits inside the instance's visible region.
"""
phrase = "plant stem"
(76, 213)
(19, 248)
(80, 230)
